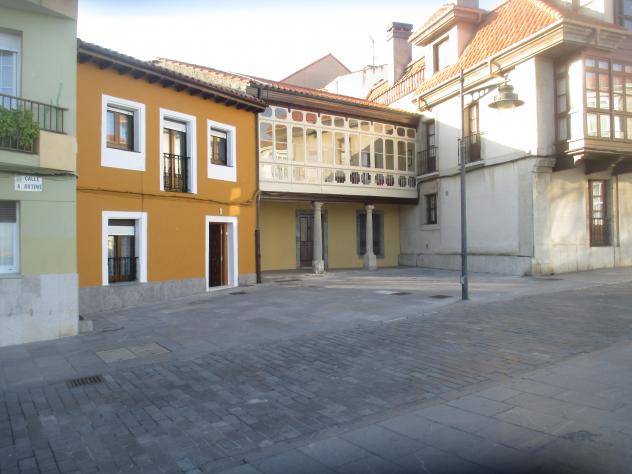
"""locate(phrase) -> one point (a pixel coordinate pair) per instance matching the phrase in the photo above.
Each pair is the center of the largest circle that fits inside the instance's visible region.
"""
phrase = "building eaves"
(154, 73)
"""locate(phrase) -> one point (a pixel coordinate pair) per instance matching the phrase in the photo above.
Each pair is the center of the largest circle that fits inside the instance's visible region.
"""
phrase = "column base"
(318, 266)
(370, 261)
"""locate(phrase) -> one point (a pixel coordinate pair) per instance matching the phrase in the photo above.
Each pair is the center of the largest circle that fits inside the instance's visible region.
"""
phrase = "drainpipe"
(257, 200)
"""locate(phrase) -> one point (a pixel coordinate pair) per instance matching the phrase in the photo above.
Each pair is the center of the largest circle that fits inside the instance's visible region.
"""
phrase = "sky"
(269, 39)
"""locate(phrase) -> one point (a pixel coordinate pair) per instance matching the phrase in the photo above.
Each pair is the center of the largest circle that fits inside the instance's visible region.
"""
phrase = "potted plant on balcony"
(17, 129)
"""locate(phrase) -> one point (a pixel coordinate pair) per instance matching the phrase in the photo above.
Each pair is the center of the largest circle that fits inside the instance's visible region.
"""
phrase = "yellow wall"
(278, 235)
(176, 221)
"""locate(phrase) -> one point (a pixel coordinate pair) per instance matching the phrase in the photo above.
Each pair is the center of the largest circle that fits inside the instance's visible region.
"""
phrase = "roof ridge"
(314, 62)
(202, 67)
(548, 8)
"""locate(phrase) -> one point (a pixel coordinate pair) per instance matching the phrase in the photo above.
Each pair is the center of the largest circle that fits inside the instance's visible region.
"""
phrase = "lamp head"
(506, 98)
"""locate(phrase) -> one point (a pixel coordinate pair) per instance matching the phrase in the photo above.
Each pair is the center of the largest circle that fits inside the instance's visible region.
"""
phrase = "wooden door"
(217, 255)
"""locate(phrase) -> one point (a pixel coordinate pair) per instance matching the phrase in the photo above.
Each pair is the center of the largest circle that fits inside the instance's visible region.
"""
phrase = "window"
(624, 13)
(441, 55)
(378, 233)
(562, 103)
(122, 260)
(431, 209)
(124, 247)
(9, 237)
(9, 64)
(608, 98)
(599, 207)
(123, 134)
(472, 145)
(222, 150)
(178, 152)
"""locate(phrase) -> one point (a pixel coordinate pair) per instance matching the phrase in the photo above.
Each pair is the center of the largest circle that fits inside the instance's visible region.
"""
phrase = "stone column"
(318, 264)
(370, 262)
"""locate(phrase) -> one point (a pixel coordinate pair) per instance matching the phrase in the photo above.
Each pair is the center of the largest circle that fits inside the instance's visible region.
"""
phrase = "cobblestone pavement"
(374, 395)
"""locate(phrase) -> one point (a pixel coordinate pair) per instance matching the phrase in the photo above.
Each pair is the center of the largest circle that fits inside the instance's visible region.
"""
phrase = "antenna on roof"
(373, 43)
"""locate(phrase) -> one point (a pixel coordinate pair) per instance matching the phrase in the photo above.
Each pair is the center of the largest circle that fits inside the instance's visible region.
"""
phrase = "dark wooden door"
(217, 255)
(306, 239)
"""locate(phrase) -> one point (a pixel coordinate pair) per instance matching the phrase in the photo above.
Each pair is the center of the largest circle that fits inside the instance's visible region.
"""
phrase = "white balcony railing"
(321, 178)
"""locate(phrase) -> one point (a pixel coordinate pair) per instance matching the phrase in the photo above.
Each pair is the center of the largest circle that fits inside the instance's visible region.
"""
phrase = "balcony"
(470, 148)
(428, 161)
(175, 174)
(323, 179)
(122, 269)
(23, 120)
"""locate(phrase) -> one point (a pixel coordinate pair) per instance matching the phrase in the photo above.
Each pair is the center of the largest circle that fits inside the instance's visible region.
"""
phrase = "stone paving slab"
(390, 390)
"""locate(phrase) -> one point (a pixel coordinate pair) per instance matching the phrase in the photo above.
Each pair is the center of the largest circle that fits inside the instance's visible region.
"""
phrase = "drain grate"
(238, 293)
(440, 297)
(81, 381)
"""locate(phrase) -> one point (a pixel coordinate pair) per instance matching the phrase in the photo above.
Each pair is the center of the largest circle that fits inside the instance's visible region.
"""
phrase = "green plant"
(18, 125)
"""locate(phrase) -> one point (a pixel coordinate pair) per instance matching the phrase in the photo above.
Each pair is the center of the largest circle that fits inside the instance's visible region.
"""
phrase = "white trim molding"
(112, 157)
(190, 122)
(233, 248)
(140, 233)
(228, 172)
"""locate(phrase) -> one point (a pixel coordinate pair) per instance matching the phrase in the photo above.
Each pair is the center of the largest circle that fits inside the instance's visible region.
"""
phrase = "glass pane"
(590, 62)
(218, 150)
(604, 82)
(604, 100)
(410, 156)
(617, 102)
(591, 80)
(353, 124)
(339, 140)
(365, 126)
(561, 86)
(401, 132)
(561, 104)
(280, 113)
(378, 128)
(388, 129)
(617, 67)
(311, 137)
(619, 130)
(366, 151)
(562, 132)
(591, 99)
(297, 115)
(7, 243)
(603, 64)
(339, 122)
(378, 149)
(401, 156)
(591, 125)
(265, 140)
(280, 142)
(390, 154)
(629, 127)
(125, 129)
(411, 133)
(604, 126)
(617, 84)
(298, 144)
(354, 148)
(328, 150)
(326, 120)
(110, 126)
(267, 112)
(311, 118)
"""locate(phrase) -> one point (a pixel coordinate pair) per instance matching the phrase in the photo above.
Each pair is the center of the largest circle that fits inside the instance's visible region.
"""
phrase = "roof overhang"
(126, 65)
(445, 22)
(562, 37)
(292, 99)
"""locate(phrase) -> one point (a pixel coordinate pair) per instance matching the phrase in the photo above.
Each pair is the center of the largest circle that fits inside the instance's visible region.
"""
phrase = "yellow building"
(166, 195)
(327, 165)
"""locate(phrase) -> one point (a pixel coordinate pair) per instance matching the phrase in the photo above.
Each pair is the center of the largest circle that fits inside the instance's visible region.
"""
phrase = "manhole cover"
(81, 381)
(440, 297)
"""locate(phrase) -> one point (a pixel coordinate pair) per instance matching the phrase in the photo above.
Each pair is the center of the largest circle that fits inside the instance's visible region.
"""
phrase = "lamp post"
(506, 99)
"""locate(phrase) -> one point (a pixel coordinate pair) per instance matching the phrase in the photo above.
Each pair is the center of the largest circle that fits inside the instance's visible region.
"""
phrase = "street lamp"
(506, 99)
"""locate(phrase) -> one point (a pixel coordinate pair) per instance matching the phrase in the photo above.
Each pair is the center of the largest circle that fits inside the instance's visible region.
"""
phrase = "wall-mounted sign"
(29, 183)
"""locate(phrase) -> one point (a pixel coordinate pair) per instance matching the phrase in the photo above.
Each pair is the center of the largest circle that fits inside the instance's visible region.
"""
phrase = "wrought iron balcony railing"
(20, 113)
(122, 269)
(428, 160)
(470, 148)
(175, 172)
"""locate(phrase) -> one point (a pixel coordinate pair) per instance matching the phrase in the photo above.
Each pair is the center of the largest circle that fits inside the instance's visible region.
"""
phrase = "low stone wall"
(501, 264)
(37, 308)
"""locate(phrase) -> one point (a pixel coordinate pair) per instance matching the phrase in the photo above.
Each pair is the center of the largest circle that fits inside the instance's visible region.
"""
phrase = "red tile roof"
(411, 79)
(508, 24)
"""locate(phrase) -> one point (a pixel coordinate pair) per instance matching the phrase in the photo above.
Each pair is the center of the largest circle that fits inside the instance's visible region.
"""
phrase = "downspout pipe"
(257, 200)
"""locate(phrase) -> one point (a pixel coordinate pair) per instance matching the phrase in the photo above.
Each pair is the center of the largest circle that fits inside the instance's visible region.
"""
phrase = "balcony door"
(175, 169)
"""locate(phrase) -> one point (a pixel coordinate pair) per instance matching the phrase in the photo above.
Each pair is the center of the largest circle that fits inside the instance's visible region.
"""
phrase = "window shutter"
(8, 212)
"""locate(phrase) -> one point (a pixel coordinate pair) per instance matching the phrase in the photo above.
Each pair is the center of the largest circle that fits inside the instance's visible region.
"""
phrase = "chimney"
(397, 36)
(467, 3)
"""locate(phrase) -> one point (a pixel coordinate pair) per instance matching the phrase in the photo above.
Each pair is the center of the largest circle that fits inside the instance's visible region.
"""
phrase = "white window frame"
(191, 131)
(140, 238)
(13, 43)
(233, 249)
(15, 268)
(220, 172)
(113, 157)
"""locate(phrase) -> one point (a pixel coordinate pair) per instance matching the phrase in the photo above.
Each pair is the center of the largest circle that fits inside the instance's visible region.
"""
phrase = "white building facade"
(549, 183)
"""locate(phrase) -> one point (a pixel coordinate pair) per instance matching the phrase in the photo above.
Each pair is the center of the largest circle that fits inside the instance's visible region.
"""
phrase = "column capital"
(317, 205)
(369, 207)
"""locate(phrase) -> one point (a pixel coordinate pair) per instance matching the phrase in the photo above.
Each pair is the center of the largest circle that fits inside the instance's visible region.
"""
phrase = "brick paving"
(212, 412)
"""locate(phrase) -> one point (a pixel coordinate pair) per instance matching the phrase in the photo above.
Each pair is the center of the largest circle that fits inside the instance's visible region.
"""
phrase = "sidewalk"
(572, 417)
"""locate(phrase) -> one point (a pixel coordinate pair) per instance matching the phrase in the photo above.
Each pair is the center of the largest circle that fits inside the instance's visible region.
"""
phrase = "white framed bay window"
(9, 237)
(222, 151)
